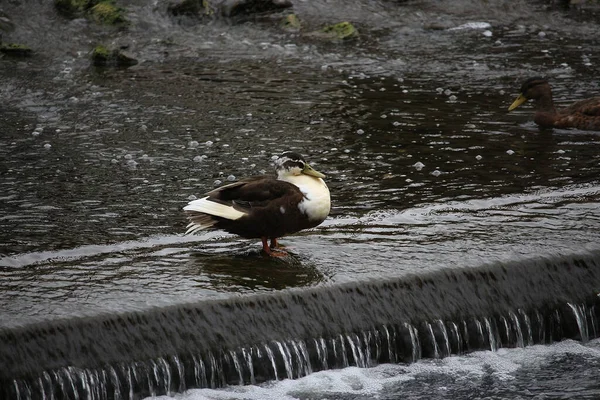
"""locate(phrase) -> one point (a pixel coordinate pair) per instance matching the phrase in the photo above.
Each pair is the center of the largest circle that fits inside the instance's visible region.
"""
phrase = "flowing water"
(461, 258)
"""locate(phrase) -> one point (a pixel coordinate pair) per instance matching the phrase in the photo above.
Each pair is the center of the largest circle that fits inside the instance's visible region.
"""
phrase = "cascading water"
(173, 349)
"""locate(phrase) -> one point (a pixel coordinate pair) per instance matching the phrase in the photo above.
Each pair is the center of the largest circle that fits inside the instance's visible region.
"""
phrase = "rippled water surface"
(426, 168)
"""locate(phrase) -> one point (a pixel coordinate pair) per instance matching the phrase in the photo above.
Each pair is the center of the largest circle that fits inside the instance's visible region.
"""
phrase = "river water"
(429, 175)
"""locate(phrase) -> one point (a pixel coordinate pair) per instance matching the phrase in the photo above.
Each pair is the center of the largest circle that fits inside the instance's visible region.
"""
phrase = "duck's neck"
(545, 104)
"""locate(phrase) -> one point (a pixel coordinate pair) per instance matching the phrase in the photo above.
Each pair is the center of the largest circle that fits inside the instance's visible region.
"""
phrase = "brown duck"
(584, 114)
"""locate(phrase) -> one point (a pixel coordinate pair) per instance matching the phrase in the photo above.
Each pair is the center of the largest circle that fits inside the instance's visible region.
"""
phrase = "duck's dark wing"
(254, 192)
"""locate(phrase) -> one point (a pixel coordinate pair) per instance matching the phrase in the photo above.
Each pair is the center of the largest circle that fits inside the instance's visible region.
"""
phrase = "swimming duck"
(265, 207)
(584, 114)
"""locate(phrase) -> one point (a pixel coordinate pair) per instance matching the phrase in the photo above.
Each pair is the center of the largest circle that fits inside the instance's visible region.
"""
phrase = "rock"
(190, 8)
(105, 12)
(101, 11)
(103, 57)
(235, 8)
(16, 50)
(340, 31)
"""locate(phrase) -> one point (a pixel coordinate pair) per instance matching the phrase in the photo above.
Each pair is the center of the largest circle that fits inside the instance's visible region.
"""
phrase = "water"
(562, 370)
(431, 180)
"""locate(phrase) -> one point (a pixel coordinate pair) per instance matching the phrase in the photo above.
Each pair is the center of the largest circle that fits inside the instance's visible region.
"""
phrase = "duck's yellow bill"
(308, 170)
(520, 100)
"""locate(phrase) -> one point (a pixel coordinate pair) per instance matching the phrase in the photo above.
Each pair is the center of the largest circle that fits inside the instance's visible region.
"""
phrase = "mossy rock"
(291, 23)
(72, 8)
(16, 50)
(104, 57)
(190, 8)
(341, 31)
(101, 11)
(107, 13)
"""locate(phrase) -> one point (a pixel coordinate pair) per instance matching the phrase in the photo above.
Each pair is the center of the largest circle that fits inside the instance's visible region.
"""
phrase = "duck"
(584, 114)
(265, 207)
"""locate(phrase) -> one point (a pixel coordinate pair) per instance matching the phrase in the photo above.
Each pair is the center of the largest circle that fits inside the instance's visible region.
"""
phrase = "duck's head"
(293, 164)
(532, 89)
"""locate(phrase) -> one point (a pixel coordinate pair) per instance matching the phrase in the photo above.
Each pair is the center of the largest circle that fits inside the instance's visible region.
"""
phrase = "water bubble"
(487, 33)
(510, 152)
(396, 123)
(132, 163)
(447, 92)
(452, 98)
(360, 131)
(436, 172)
(231, 178)
(560, 151)
(439, 90)
(382, 89)
(193, 143)
(47, 145)
(144, 156)
(334, 149)
(35, 133)
(128, 157)
(542, 34)
(217, 182)
(478, 157)
(114, 161)
(383, 116)
(273, 158)
(470, 126)
(418, 165)
(198, 159)
(191, 197)
(208, 143)
(404, 91)
(144, 127)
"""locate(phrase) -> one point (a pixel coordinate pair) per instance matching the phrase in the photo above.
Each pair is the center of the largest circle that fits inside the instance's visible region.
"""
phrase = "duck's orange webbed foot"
(272, 250)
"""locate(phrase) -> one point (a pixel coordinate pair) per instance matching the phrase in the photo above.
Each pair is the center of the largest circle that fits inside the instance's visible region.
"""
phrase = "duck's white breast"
(317, 201)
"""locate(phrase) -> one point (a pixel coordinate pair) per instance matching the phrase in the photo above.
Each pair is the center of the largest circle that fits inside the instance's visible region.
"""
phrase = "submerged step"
(293, 333)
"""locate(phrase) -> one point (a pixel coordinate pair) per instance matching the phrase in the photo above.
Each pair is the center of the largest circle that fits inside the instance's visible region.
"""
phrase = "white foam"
(372, 382)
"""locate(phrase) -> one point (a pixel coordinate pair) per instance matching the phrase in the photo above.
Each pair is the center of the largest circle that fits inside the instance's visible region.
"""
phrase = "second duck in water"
(584, 114)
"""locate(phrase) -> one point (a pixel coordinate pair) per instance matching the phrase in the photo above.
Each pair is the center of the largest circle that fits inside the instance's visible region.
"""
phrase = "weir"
(293, 333)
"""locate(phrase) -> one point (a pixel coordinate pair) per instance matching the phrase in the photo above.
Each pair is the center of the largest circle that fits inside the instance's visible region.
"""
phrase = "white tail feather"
(206, 206)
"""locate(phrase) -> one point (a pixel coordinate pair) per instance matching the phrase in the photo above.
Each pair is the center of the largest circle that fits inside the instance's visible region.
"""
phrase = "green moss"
(14, 49)
(291, 23)
(342, 31)
(102, 57)
(107, 13)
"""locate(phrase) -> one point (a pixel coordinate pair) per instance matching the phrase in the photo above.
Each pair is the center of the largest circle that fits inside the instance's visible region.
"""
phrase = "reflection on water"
(237, 269)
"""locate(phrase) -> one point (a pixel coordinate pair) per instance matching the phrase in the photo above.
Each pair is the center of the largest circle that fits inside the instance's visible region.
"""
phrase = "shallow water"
(427, 169)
